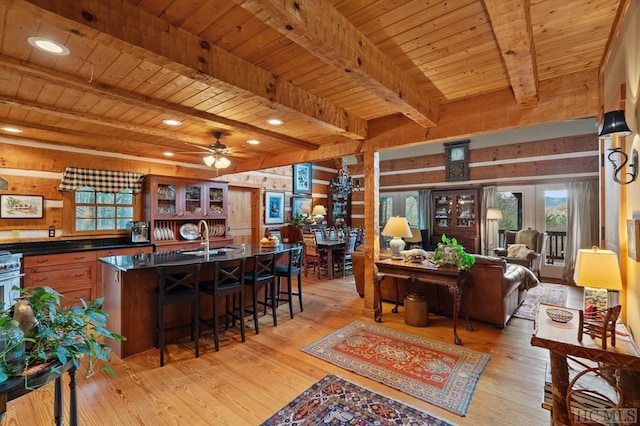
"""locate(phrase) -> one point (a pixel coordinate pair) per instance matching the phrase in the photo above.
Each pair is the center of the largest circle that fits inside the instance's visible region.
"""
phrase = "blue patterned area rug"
(439, 373)
(335, 401)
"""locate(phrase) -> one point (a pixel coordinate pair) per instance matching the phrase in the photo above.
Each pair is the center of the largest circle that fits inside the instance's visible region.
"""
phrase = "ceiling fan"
(217, 151)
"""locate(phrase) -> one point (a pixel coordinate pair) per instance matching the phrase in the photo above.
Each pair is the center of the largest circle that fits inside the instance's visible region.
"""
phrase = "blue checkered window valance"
(100, 180)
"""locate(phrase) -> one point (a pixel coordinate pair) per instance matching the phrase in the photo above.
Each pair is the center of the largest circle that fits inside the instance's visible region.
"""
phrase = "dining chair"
(227, 280)
(178, 284)
(342, 257)
(262, 275)
(293, 268)
(312, 256)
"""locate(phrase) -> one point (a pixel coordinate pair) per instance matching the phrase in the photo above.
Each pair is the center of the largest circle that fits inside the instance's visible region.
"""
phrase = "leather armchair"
(533, 240)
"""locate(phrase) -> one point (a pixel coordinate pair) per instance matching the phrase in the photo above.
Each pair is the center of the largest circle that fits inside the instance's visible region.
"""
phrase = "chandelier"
(343, 184)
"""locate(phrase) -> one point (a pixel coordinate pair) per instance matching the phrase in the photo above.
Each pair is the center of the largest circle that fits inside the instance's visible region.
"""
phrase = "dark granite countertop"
(67, 246)
(184, 257)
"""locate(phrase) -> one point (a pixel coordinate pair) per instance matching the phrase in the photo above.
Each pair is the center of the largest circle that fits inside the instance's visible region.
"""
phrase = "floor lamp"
(492, 215)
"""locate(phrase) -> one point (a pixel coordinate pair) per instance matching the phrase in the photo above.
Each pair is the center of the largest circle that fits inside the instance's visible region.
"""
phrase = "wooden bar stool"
(178, 284)
(293, 268)
(262, 274)
(228, 280)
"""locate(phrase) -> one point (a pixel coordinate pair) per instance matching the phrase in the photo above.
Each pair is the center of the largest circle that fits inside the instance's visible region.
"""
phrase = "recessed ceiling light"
(168, 154)
(253, 142)
(172, 122)
(49, 46)
(11, 129)
(275, 122)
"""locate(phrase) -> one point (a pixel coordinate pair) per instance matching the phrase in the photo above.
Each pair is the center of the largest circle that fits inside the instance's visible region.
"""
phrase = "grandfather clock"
(456, 161)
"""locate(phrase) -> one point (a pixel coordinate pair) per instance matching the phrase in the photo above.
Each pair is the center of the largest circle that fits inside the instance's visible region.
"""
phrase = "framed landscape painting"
(302, 178)
(21, 206)
(273, 207)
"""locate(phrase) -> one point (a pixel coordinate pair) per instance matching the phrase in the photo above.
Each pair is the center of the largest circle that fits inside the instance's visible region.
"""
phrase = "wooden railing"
(556, 241)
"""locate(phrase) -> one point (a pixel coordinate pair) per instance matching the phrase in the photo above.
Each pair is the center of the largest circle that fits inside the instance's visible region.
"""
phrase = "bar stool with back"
(228, 280)
(262, 274)
(178, 284)
(288, 271)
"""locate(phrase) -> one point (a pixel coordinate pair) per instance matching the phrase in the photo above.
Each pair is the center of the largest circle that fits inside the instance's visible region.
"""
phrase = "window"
(102, 211)
(411, 209)
(510, 203)
(555, 210)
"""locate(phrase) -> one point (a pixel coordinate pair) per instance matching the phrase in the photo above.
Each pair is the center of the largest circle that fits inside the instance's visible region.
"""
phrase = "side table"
(561, 339)
(38, 376)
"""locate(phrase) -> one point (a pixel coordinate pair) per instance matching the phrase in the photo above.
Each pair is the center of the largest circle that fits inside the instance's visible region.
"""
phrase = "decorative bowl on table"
(559, 315)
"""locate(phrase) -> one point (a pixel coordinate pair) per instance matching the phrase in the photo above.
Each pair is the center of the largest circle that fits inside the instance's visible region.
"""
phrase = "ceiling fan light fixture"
(209, 160)
(48, 46)
(222, 163)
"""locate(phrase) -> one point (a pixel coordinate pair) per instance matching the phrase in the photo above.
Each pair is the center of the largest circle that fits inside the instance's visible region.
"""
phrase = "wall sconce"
(633, 165)
(615, 124)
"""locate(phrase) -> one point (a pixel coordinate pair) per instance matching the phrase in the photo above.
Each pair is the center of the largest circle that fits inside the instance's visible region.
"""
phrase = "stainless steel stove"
(10, 275)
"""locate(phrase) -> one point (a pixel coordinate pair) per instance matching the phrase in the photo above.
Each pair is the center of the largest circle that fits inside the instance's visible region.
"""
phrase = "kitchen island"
(130, 284)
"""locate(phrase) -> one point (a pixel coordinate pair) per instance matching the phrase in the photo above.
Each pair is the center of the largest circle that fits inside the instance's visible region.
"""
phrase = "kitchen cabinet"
(456, 214)
(339, 209)
(72, 274)
(174, 206)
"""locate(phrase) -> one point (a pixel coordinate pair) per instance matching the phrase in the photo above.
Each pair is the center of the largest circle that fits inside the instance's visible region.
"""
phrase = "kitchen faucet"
(204, 237)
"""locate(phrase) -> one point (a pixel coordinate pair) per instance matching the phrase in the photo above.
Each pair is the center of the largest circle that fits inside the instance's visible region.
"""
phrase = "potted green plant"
(298, 219)
(449, 253)
(53, 333)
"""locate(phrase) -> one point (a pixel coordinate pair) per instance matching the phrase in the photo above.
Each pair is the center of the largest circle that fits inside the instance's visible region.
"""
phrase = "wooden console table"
(452, 278)
(561, 339)
(37, 376)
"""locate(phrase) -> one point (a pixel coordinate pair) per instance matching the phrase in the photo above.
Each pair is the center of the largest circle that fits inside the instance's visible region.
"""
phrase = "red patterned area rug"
(441, 374)
(554, 294)
(335, 401)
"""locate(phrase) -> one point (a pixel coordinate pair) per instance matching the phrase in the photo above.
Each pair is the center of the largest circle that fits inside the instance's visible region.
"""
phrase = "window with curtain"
(102, 211)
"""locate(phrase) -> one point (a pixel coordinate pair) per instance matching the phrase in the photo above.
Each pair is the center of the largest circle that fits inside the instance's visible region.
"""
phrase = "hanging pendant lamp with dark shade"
(615, 123)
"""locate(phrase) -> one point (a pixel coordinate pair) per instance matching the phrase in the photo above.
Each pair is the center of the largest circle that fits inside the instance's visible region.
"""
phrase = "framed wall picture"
(301, 206)
(13, 206)
(273, 207)
(302, 178)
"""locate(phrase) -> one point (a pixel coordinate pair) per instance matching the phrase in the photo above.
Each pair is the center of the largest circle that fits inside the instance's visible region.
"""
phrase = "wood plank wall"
(36, 169)
(557, 160)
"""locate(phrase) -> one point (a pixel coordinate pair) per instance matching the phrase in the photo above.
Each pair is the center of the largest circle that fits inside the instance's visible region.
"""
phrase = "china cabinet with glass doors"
(174, 206)
(456, 214)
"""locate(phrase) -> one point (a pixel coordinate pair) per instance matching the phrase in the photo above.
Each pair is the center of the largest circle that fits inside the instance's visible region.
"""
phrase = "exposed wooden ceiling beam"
(101, 121)
(322, 30)
(128, 28)
(511, 22)
(134, 99)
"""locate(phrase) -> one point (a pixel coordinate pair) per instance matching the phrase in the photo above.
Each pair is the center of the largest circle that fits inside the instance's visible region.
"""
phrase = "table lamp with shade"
(398, 228)
(598, 271)
(318, 213)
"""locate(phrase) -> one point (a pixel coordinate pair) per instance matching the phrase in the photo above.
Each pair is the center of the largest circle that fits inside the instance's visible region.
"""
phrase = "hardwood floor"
(244, 384)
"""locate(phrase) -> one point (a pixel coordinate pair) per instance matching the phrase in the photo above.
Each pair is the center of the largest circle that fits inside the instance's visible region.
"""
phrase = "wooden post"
(371, 218)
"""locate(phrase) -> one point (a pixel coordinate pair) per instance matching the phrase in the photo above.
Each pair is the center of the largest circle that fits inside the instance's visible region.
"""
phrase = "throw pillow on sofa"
(514, 249)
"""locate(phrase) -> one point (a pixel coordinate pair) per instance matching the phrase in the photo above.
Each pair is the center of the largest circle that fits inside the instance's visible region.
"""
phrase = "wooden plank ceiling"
(329, 68)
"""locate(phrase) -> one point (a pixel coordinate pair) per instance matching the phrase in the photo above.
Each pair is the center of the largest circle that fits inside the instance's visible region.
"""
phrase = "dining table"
(329, 246)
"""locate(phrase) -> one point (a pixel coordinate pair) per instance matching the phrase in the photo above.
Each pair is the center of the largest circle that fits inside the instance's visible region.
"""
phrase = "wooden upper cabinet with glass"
(173, 204)
(455, 213)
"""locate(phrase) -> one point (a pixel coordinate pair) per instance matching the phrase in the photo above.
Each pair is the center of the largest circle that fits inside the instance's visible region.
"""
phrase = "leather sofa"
(498, 289)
